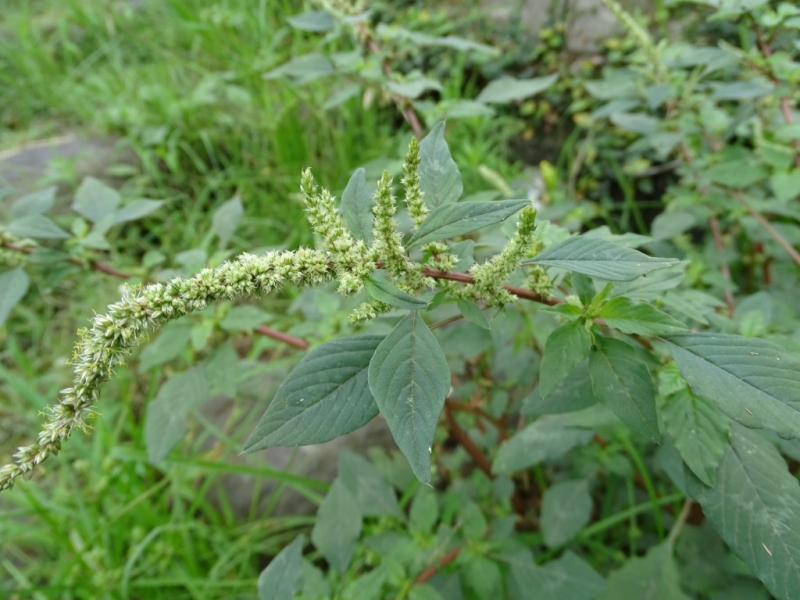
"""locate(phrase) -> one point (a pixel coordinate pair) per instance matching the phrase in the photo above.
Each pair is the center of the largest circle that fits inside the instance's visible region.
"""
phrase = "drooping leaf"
(371, 490)
(565, 348)
(136, 210)
(283, 576)
(473, 313)
(638, 318)
(599, 258)
(572, 393)
(509, 89)
(698, 431)
(337, 527)
(546, 438)
(439, 177)
(621, 381)
(226, 219)
(303, 69)
(652, 285)
(35, 203)
(325, 396)
(753, 381)
(566, 578)
(341, 95)
(451, 220)
(755, 506)
(566, 509)
(385, 291)
(313, 20)
(166, 414)
(168, 344)
(409, 378)
(653, 577)
(413, 88)
(13, 286)
(37, 227)
(356, 206)
(94, 200)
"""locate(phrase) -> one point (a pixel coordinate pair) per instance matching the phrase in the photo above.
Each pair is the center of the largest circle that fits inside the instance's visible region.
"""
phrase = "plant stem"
(726, 270)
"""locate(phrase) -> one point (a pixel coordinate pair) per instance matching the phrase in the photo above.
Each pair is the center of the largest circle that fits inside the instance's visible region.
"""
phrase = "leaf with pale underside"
(452, 220)
(356, 206)
(439, 177)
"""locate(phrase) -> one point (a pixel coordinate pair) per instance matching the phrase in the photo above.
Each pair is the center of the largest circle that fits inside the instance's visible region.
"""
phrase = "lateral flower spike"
(414, 195)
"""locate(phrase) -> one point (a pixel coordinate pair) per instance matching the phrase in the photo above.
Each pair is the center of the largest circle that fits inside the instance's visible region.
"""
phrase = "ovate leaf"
(599, 258)
(567, 578)
(755, 506)
(566, 509)
(337, 527)
(13, 286)
(572, 393)
(565, 348)
(753, 381)
(452, 220)
(36, 226)
(356, 206)
(473, 313)
(325, 396)
(169, 343)
(413, 88)
(509, 89)
(370, 488)
(283, 576)
(35, 203)
(440, 179)
(546, 438)
(303, 69)
(94, 200)
(313, 20)
(409, 378)
(385, 291)
(622, 382)
(136, 210)
(653, 577)
(244, 318)
(226, 218)
(638, 318)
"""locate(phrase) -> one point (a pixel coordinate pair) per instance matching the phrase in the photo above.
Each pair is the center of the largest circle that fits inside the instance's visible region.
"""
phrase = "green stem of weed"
(636, 457)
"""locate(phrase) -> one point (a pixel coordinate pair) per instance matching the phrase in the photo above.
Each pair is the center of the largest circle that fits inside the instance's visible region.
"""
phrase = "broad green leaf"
(413, 88)
(652, 285)
(546, 438)
(303, 69)
(599, 258)
(342, 94)
(439, 177)
(755, 506)
(621, 381)
(35, 203)
(356, 206)
(366, 585)
(371, 490)
(169, 343)
(565, 348)
(244, 318)
(572, 393)
(283, 576)
(638, 318)
(510, 89)
(472, 520)
(566, 578)
(464, 109)
(135, 210)
(669, 224)
(739, 174)
(385, 291)
(635, 122)
(418, 39)
(226, 219)
(36, 226)
(325, 396)
(698, 432)
(166, 414)
(409, 378)
(786, 186)
(452, 220)
(473, 313)
(313, 20)
(337, 527)
(94, 200)
(223, 370)
(483, 578)
(13, 286)
(653, 577)
(741, 90)
(566, 509)
(424, 510)
(753, 381)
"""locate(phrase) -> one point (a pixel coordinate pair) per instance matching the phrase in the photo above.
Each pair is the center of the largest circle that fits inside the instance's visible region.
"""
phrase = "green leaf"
(341, 94)
(572, 393)
(325, 396)
(35, 203)
(566, 509)
(356, 206)
(565, 348)
(38, 227)
(439, 177)
(169, 343)
(424, 510)
(546, 438)
(223, 370)
(785, 185)
(313, 20)
(244, 318)
(567, 578)
(13, 286)
(509, 89)
(303, 69)
(283, 576)
(621, 381)
(409, 377)
(385, 291)
(166, 414)
(372, 492)
(226, 219)
(669, 224)
(136, 210)
(599, 258)
(753, 381)
(483, 578)
(638, 318)
(473, 313)
(337, 527)
(741, 90)
(650, 286)
(94, 200)
(739, 174)
(755, 506)
(413, 88)
(698, 432)
(653, 577)
(452, 220)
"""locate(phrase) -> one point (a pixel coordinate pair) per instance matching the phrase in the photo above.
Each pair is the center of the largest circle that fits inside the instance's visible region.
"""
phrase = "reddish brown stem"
(433, 569)
(476, 410)
(762, 220)
(466, 278)
(725, 269)
(282, 337)
(95, 266)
